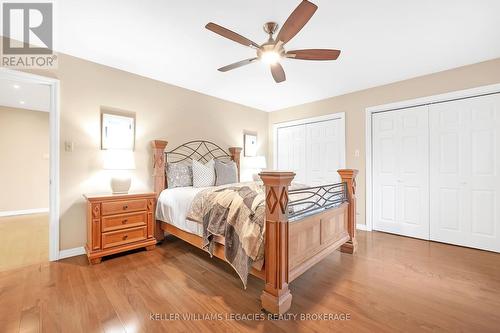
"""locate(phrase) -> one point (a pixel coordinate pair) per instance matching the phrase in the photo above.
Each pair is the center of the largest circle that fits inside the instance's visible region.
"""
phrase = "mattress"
(173, 206)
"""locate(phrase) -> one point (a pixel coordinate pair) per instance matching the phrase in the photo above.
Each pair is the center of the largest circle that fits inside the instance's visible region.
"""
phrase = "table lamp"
(120, 162)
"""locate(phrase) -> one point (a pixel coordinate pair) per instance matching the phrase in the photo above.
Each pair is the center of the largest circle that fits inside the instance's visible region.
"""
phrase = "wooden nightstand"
(118, 223)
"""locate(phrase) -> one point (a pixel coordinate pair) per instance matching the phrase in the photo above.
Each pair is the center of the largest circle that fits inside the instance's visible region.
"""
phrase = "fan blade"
(278, 73)
(314, 54)
(297, 20)
(237, 64)
(230, 35)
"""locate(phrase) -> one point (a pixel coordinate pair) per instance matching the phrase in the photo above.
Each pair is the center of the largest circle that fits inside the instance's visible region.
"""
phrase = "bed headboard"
(199, 150)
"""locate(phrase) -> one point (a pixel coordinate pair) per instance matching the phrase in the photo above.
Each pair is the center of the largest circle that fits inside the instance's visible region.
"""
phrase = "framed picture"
(250, 144)
(117, 130)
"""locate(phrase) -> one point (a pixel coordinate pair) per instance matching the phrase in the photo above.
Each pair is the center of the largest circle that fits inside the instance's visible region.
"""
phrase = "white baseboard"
(24, 212)
(76, 251)
(363, 227)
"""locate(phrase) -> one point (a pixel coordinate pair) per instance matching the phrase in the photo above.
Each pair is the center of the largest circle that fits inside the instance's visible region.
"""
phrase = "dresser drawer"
(122, 237)
(123, 206)
(123, 221)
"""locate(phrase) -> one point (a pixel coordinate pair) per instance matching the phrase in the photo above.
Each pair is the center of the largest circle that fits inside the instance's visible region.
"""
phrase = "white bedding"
(173, 205)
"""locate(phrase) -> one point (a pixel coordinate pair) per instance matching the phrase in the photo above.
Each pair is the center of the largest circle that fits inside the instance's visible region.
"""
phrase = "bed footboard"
(313, 238)
(324, 222)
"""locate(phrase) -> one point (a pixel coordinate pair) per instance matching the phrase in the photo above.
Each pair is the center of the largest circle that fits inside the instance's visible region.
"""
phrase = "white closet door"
(400, 172)
(465, 167)
(325, 142)
(291, 151)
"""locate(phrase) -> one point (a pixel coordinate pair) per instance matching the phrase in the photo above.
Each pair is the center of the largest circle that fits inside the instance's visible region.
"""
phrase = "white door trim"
(54, 150)
(339, 115)
(455, 95)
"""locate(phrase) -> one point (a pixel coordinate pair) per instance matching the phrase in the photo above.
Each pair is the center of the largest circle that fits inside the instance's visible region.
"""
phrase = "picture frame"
(117, 130)
(249, 144)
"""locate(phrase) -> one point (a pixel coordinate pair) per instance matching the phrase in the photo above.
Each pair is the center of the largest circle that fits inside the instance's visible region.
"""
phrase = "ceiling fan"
(272, 51)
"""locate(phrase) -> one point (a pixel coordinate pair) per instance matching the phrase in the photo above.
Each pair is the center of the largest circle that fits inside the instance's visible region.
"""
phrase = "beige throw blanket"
(236, 212)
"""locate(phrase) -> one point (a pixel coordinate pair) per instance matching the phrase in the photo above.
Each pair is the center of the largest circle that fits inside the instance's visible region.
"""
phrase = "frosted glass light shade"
(119, 160)
(256, 162)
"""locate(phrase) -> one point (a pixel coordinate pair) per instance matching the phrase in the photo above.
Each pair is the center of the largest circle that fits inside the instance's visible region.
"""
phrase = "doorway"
(29, 210)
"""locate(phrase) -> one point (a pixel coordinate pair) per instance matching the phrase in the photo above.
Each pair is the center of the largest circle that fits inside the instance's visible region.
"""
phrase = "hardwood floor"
(392, 284)
(24, 240)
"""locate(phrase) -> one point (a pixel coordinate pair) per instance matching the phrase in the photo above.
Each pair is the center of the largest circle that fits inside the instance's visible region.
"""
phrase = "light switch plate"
(68, 146)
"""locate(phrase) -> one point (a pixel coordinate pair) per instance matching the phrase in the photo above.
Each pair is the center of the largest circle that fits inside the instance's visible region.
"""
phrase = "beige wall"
(162, 111)
(24, 166)
(175, 114)
(354, 105)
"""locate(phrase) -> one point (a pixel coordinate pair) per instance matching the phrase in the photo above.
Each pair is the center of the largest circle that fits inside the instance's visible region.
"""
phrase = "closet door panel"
(465, 168)
(414, 172)
(400, 172)
(385, 171)
(324, 153)
(291, 151)
(484, 181)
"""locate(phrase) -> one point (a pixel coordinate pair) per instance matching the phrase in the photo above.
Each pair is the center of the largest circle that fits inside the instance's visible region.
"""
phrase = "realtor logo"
(28, 35)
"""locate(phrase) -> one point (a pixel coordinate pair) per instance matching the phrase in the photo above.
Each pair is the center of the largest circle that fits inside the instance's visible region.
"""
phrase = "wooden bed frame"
(291, 248)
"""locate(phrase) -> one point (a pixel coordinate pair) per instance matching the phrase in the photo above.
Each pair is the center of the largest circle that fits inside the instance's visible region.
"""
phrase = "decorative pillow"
(203, 174)
(179, 175)
(225, 173)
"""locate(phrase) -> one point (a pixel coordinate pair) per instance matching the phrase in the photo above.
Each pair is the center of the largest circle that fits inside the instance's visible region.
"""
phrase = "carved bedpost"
(349, 177)
(235, 156)
(159, 177)
(159, 165)
(276, 297)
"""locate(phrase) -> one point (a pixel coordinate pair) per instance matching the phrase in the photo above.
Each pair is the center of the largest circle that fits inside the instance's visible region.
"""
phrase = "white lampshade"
(252, 166)
(256, 162)
(260, 162)
(119, 160)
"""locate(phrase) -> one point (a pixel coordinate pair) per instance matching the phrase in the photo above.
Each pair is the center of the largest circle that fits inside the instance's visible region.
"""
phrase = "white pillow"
(203, 174)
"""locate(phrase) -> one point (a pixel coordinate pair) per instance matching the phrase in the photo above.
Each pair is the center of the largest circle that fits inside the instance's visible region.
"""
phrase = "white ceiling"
(382, 41)
(24, 95)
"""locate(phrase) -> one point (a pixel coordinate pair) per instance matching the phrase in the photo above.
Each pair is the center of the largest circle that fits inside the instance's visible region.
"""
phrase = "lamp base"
(120, 185)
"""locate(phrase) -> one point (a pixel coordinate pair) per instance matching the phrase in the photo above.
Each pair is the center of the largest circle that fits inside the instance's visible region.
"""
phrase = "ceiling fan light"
(270, 57)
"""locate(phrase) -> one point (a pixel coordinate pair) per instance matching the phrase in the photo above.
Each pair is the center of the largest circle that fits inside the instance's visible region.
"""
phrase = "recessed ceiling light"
(16, 86)
(21, 102)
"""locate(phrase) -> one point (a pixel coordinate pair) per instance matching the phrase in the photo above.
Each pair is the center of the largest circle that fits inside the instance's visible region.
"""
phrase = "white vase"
(120, 184)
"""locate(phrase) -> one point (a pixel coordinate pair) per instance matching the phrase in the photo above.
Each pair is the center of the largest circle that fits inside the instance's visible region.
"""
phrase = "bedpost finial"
(348, 173)
(349, 176)
(235, 153)
(159, 144)
(277, 177)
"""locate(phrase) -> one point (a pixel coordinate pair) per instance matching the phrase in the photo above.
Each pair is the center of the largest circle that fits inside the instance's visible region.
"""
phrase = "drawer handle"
(124, 221)
(125, 237)
(125, 206)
